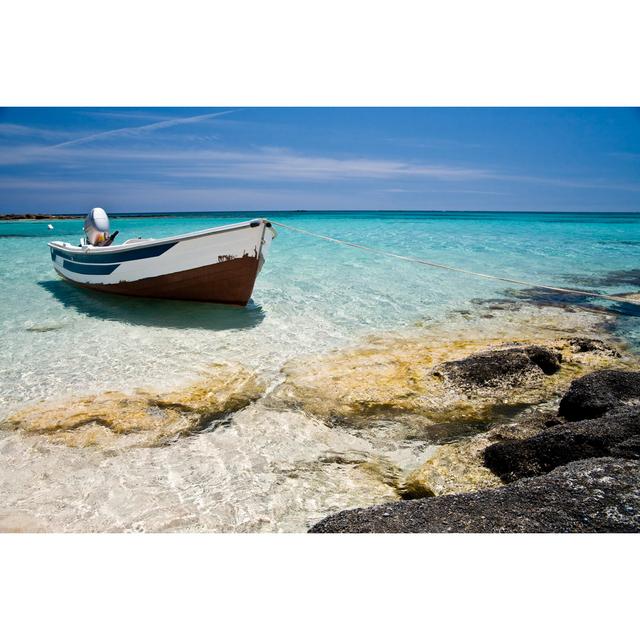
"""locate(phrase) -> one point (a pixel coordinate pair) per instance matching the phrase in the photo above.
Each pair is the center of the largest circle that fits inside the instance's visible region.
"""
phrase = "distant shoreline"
(172, 214)
(36, 216)
(77, 216)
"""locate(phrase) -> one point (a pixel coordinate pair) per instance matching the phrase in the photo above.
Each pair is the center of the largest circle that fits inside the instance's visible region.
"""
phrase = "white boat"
(214, 265)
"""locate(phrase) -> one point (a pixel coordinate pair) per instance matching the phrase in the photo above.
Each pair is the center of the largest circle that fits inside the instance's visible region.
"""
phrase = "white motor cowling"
(96, 227)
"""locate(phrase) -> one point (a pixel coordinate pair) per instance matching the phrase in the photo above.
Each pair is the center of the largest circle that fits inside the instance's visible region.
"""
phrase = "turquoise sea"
(312, 296)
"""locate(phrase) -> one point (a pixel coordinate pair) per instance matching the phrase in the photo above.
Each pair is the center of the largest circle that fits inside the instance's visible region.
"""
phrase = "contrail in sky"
(163, 124)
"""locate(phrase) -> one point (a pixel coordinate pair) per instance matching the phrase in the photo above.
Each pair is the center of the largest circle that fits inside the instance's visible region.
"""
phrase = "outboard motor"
(96, 227)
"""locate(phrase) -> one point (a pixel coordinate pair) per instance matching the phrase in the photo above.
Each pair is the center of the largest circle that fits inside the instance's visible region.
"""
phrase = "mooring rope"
(437, 265)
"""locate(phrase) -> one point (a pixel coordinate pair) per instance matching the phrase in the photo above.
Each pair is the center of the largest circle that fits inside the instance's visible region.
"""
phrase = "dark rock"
(500, 367)
(589, 496)
(596, 393)
(615, 434)
(629, 448)
(584, 345)
(546, 359)
(38, 216)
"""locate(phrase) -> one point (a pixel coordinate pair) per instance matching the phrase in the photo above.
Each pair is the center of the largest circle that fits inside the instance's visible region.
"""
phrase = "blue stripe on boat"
(119, 256)
(89, 269)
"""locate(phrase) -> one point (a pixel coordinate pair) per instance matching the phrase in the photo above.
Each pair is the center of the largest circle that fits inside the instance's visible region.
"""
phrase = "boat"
(220, 264)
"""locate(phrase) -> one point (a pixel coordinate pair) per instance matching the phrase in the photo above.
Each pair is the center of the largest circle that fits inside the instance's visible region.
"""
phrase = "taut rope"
(437, 265)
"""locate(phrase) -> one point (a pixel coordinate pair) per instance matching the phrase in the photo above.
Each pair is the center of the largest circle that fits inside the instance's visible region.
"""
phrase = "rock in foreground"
(596, 393)
(589, 496)
(615, 434)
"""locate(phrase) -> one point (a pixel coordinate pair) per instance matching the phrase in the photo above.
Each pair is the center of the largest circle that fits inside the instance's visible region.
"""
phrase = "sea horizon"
(231, 212)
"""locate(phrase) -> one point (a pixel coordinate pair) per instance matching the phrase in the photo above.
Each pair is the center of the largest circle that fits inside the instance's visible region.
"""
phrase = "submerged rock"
(142, 418)
(635, 296)
(586, 345)
(509, 367)
(596, 393)
(455, 381)
(459, 467)
(589, 496)
(453, 468)
(615, 434)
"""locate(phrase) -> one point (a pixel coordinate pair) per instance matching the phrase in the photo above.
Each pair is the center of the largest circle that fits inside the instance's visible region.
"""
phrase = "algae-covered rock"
(458, 392)
(507, 367)
(590, 345)
(593, 395)
(459, 466)
(587, 496)
(142, 418)
(615, 434)
(462, 380)
(454, 468)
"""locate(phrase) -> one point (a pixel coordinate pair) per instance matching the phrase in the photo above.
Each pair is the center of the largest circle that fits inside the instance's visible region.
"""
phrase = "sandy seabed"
(235, 451)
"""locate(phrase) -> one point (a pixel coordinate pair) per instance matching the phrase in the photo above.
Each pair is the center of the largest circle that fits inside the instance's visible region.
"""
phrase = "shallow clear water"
(310, 297)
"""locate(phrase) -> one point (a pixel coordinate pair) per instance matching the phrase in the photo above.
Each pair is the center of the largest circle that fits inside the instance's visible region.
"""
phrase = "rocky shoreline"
(39, 216)
(509, 421)
(597, 495)
(578, 472)
(74, 216)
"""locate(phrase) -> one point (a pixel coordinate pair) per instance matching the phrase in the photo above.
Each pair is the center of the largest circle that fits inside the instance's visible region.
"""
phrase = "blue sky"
(206, 159)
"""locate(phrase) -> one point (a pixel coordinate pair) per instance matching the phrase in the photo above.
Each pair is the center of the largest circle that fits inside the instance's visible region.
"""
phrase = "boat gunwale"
(89, 249)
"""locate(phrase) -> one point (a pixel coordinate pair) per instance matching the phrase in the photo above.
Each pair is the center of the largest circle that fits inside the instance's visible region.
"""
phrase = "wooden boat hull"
(156, 269)
(229, 282)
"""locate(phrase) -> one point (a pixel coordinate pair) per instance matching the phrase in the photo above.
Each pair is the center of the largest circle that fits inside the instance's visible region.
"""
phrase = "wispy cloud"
(274, 163)
(154, 126)
(121, 114)
(418, 191)
(12, 130)
(136, 195)
(260, 163)
(572, 183)
(188, 160)
(264, 164)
